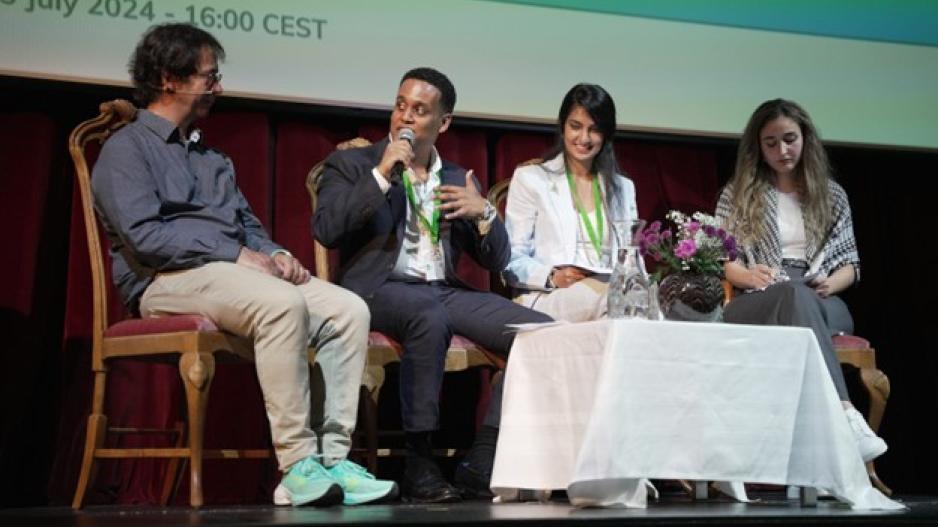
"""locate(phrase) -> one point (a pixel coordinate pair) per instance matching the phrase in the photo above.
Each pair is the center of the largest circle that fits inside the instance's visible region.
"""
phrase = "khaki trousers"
(282, 320)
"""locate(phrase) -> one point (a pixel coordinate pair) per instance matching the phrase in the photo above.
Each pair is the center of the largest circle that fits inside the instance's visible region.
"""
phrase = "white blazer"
(542, 222)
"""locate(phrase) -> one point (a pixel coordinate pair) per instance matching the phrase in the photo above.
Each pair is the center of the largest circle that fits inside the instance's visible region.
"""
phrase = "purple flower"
(709, 230)
(721, 234)
(654, 227)
(692, 226)
(729, 244)
(685, 249)
(732, 254)
(652, 238)
(666, 234)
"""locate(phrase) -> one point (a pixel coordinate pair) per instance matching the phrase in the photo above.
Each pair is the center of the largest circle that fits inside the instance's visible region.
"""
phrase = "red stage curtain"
(31, 209)
(299, 147)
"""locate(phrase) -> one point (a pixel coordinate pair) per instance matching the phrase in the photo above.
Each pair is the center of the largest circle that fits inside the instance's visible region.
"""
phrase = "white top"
(419, 257)
(791, 226)
(586, 255)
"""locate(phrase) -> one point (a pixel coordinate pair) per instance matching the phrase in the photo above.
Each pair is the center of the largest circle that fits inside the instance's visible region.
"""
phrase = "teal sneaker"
(359, 486)
(308, 483)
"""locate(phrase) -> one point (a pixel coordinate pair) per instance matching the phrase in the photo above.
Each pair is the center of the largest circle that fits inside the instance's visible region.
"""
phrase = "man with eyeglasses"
(401, 217)
(185, 241)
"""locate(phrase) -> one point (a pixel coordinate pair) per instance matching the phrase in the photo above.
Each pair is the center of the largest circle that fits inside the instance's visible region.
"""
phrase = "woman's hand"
(566, 276)
(823, 287)
(761, 276)
(841, 279)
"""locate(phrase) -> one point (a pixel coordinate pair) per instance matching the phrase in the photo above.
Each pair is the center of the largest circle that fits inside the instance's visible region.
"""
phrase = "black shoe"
(423, 483)
(473, 483)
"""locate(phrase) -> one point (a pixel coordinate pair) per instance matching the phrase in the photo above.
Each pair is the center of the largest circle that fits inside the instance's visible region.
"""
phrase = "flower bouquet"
(688, 260)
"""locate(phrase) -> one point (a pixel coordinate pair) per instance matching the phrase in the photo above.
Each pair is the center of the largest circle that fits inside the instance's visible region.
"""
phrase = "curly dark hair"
(171, 49)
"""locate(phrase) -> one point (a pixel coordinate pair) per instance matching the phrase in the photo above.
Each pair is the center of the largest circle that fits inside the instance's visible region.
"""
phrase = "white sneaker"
(281, 495)
(869, 444)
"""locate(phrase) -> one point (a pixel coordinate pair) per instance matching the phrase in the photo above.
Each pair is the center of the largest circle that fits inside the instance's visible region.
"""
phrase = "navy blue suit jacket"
(367, 226)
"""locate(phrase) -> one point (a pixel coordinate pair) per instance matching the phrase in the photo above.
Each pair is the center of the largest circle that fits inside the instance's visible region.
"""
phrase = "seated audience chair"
(383, 350)
(857, 352)
(192, 341)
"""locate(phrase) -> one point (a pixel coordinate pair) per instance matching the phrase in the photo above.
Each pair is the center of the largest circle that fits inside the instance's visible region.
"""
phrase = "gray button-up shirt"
(168, 204)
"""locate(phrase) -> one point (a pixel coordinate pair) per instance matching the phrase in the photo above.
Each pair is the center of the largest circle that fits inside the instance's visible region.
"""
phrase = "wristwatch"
(488, 213)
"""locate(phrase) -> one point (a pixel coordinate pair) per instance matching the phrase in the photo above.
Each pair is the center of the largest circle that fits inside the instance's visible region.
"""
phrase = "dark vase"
(691, 296)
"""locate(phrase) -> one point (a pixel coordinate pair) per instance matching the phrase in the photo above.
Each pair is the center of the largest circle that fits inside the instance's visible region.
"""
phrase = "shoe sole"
(469, 491)
(390, 495)
(332, 496)
(472, 494)
(411, 499)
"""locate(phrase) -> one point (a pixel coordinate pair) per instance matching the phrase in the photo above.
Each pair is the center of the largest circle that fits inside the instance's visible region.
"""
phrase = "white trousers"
(581, 302)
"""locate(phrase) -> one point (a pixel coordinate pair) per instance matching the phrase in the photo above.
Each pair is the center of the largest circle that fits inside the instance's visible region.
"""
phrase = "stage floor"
(670, 510)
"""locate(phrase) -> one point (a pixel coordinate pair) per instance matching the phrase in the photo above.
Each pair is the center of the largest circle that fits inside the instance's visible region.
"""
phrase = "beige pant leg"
(338, 323)
(581, 302)
(271, 312)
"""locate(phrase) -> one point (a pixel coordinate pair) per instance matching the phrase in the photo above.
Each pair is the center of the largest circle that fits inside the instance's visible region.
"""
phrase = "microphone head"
(407, 135)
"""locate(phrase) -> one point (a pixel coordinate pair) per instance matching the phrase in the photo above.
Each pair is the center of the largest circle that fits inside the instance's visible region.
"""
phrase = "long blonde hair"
(753, 177)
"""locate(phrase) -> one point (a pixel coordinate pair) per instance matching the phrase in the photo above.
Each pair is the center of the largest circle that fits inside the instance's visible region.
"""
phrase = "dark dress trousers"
(367, 227)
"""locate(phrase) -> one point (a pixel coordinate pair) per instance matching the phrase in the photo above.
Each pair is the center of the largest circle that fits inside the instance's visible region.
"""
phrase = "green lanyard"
(432, 225)
(597, 241)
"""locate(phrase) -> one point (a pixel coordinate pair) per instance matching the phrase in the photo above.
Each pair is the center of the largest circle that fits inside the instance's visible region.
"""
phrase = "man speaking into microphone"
(401, 217)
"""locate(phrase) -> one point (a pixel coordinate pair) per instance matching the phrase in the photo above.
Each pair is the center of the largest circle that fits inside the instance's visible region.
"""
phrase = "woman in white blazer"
(560, 211)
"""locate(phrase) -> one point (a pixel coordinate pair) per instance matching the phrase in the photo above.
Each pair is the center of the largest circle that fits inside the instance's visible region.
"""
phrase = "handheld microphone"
(405, 134)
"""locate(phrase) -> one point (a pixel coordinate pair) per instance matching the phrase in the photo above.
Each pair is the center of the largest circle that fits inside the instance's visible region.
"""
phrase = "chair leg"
(173, 467)
(874, 478)
(372, 381)
(369, 411)
(94, 439)
(197, 371)
(877, 387)
(688, 488)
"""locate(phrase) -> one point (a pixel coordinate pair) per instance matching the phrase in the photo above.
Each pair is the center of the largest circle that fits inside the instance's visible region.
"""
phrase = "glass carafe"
(629, 285)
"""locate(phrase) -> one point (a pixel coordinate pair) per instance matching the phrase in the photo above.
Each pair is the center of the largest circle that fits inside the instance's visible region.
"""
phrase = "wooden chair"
(857, 352)
(383, 350)
(190, 340)
(499, 192)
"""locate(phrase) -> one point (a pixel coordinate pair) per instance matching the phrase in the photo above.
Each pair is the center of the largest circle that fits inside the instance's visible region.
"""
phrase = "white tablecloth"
(595, 407)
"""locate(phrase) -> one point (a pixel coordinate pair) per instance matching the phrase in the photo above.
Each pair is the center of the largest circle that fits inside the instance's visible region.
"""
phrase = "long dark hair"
(753, 176)
(599, 105)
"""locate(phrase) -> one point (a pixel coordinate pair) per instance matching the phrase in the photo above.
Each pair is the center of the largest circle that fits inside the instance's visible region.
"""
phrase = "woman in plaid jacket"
(793, 224)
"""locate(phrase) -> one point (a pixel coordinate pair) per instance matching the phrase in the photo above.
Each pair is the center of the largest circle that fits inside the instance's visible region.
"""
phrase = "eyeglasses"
(212, 78)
